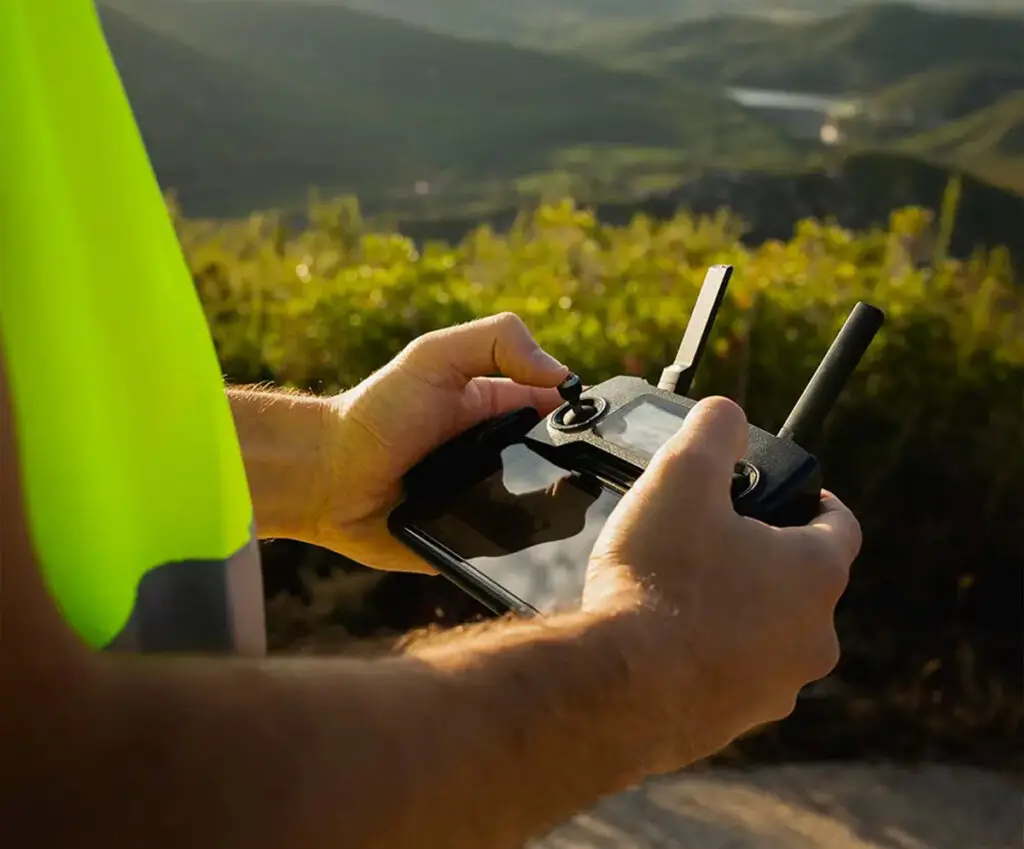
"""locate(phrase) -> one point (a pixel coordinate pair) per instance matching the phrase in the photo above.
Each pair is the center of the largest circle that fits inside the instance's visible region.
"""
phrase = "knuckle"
(824, 556)
(423, 343)
(507, 322)
(848, 529)
(783, 705)
(826, 655)
(856, 535)
(835, 577)
(824, 575)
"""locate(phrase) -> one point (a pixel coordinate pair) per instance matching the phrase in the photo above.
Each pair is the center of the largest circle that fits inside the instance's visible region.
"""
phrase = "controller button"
(744, 479)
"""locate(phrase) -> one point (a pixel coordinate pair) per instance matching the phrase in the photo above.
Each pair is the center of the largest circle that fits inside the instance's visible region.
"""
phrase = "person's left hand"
(433, 390)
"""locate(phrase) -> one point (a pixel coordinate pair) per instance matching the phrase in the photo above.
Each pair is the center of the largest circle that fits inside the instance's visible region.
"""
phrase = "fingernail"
(546, 362)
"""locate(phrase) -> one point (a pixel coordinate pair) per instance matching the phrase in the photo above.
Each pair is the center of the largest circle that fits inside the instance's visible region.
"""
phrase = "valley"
(249, 104)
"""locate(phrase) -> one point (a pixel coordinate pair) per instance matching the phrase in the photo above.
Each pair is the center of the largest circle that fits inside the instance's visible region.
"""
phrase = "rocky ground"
(833, 806)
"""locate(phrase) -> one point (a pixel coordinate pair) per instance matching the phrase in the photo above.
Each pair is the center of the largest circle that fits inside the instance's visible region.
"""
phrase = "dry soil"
(834, 806)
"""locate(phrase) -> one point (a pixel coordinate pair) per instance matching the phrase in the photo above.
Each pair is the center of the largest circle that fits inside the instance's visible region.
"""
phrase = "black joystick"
(571, 389)
(580, 409)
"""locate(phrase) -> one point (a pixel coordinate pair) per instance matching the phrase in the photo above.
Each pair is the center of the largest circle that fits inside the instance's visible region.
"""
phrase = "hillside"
(857, 191)
(250, 103)
(859, 51)
(904, 71)
(212, 128)
(296, 93)
(934, 98)
(990, 142)
(998, 128)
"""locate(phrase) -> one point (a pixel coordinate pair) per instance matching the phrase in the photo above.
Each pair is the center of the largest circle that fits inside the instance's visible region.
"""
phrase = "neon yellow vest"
(135, 490)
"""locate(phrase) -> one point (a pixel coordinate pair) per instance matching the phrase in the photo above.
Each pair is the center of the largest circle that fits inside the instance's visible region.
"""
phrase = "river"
(757, 98)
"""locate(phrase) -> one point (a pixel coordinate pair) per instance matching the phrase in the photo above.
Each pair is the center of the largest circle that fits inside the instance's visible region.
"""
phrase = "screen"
(529, 527)
(644, 426)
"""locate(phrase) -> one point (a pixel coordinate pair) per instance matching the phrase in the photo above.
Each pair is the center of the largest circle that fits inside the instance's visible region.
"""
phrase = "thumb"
(698, 460)
(498, 343)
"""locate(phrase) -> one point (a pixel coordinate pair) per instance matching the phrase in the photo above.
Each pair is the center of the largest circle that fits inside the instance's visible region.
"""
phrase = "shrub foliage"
(925, 444)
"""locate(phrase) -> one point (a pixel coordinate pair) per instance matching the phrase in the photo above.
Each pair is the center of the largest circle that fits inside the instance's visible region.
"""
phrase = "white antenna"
(678, 377)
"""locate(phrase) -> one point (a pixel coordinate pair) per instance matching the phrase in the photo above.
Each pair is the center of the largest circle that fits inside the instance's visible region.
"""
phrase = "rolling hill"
(856, 52)
(858, 191)
(989, 142)
(998, 128)
(553, 24)
(211, 127)
(921, 77)
(249, 102)
(965, 116)
(559, 24)
(949, 94)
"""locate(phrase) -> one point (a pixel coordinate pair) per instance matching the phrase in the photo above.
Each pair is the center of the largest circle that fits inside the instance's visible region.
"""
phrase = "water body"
(756, 98)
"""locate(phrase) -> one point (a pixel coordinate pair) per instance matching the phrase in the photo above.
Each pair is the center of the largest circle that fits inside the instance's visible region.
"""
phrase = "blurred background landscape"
(347, 174)
(250, 103)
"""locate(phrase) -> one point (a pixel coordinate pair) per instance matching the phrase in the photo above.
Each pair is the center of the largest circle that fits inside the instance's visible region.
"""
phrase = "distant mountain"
(249, 102)
(859, 51)
(543, 22)
(558, 23)
(914, 71)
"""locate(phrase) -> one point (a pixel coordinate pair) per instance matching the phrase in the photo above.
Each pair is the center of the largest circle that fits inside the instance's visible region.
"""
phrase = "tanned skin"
(486, 739)
(437, 750)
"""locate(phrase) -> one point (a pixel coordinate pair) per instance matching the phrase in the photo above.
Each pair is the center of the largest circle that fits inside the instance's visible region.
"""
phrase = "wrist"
(690, 696)
(666, 687)
(599, 686)
(282, 438)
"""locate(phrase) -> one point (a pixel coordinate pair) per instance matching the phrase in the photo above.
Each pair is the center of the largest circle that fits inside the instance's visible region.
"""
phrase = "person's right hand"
(738, 616)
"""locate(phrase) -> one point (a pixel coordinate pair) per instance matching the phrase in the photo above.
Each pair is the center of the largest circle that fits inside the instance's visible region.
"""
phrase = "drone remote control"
(612, 430)
(608, 434)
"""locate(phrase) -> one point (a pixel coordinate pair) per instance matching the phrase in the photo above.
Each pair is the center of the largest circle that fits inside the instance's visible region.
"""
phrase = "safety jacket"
(135, 491)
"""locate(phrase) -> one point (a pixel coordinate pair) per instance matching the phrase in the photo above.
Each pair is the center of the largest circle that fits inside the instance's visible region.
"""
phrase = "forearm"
(280, 435)
(486, 740)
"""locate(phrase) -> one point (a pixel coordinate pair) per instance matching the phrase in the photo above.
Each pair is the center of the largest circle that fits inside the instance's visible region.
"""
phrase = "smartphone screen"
(528, 527)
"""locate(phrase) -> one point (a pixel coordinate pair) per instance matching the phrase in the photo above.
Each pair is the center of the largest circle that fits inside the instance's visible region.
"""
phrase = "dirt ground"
(834, 806)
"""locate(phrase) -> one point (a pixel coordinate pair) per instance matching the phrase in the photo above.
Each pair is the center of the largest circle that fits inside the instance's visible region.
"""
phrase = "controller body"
(509, 506)
(610, 435)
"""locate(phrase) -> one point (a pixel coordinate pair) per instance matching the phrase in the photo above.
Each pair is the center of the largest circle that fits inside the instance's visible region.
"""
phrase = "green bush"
(925, 445)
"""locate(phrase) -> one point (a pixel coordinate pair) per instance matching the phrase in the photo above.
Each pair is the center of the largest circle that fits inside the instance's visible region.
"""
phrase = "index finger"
(834, 534)
(497, 343)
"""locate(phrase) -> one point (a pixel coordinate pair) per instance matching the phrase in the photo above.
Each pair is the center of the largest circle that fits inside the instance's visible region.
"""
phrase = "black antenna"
(678, 376)
(809, 412)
